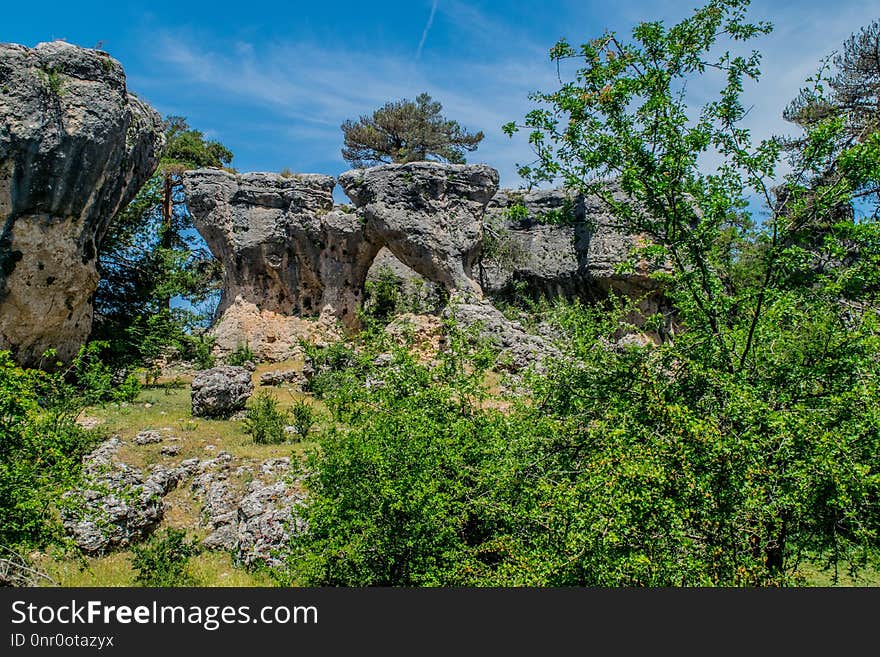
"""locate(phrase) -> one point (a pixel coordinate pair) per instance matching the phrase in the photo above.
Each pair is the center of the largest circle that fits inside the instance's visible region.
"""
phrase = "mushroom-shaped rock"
(283, 246)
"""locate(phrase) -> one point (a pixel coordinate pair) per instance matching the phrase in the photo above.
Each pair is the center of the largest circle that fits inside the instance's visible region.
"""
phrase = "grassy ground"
(166, 407)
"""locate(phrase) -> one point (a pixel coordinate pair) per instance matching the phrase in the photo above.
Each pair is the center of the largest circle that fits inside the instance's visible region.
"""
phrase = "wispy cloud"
(280, 103)
(427, 29)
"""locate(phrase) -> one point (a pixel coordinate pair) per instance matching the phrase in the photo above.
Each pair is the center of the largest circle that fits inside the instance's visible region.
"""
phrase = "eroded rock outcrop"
(429, 215)
(285, 252)
(566, 245)
(75, 147)
(117, 504)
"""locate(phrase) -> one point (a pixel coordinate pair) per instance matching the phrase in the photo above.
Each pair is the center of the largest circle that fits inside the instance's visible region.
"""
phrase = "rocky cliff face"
(288, 252)
(75, 147)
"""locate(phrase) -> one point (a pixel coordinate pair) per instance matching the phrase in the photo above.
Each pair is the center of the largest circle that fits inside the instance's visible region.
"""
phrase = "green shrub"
(197, 349)
(303, 417)
(241, 355)
(41, 448)
(264, 421)
(163, 559)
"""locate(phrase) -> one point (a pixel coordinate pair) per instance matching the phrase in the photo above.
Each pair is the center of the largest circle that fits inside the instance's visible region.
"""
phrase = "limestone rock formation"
(282, 245)
(116, 505)
(569, 246)
(75, 147)
(286, 250)
(220, 391)
(428, 214)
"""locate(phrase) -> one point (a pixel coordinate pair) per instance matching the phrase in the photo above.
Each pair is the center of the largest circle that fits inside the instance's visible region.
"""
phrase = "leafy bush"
(197, 348)
(41, 447)
(265, 422)
(241, 355)
(388, 295)
(303, 417)
(163, 559)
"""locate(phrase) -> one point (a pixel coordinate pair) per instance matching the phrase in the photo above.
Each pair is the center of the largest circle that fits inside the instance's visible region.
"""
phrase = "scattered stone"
(383, 360)
(220, 391)
(116, 505)
(170, 450)
(277, 377)
(147, 437)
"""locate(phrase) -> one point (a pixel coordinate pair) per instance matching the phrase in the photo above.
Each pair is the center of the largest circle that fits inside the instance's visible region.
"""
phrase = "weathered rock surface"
(519, 348)
(75, 147)
(574, 257)
(282, 245)
(271, 335)
(279, 377)
(256, 524)
(286, 251)
(429, 215)
(117, 504)
(220, 391)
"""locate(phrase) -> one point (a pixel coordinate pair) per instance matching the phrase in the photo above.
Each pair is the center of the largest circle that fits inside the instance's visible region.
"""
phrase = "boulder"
(220, 391)
(75, 147)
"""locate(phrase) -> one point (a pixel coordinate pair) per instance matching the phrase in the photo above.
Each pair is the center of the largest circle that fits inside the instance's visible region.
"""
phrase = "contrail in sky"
(427, 29)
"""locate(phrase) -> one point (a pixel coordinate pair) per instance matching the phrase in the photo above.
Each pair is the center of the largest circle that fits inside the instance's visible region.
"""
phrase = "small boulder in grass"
(148, 437)
(279, 377)
(221, 391)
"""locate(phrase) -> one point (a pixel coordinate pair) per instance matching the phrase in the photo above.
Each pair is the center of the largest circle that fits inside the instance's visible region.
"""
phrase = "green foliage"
(388, 295)
(162, 560)
(54, 80)
(745, 444)
(42, 446)
(151, 255)
(406, 131)
(265, 422)
(197, 347)
(241, 355)
(302, 417)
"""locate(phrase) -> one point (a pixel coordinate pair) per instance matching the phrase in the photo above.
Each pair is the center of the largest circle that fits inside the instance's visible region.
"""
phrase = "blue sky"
(274, 80)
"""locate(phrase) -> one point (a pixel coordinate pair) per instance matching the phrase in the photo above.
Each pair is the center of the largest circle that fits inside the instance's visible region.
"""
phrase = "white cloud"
(298, 93)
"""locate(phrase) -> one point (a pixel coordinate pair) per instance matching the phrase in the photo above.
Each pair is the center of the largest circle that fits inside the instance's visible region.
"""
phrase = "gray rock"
(147, 437)
(575, 256)
(220, 391)
(75, 147)
(519, 348)
(282, 245)
(278, 377)
(428, 214)
(116, 505)
(170, 450)
(286, 250)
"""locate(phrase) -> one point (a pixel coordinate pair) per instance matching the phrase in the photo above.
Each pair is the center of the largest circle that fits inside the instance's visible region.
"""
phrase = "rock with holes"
(220, 391)
(428, 214)
(283, 246)
(75, 147)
